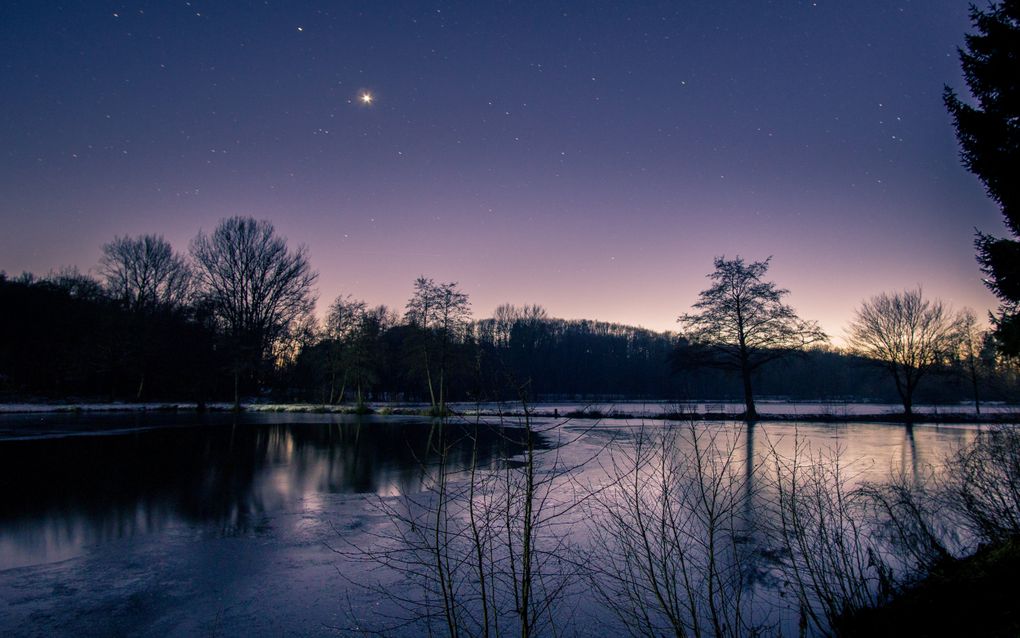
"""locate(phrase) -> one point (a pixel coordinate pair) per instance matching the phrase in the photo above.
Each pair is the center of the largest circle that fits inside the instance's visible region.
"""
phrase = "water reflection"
(225, 477)
(703, 501)
(173, 486)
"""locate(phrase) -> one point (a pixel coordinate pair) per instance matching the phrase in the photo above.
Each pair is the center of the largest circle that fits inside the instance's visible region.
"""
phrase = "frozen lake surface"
(221, 525)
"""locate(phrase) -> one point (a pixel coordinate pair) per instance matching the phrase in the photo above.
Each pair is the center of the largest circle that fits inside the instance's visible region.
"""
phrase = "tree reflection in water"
(223, 475)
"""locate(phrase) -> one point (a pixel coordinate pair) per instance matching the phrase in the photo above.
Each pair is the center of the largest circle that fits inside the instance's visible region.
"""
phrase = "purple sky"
(591, 157)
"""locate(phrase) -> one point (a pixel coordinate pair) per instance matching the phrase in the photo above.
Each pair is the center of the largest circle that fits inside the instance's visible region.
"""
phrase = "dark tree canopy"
(742, 324)
(67, 336)
(988, 131)
(344, 326)
(441, 314)
(907, 335)
(438, 307)
(255, 285)
(149, 279)
(145, 273)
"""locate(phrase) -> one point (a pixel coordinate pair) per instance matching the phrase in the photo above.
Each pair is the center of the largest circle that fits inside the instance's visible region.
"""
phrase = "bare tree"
(145, 273)
(487, 548)
(506, 317)
(667, 555)
(345, 319)
(362, 357)
(834, 561)
(75, 283)
(742, 324)
(972, 339)
(982, 486)
(257, 287)
(907, 335)
(516, 334)
(441, 312)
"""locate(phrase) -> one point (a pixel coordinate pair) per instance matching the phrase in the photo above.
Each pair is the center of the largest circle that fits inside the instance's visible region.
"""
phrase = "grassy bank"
(972, 596)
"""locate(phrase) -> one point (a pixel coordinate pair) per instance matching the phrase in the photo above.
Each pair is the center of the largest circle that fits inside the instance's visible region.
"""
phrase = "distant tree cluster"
(233, 318)
(157, 324)
(520, 353)
(67, 336)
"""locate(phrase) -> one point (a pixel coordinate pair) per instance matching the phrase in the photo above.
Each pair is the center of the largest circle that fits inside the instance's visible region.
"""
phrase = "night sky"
(592, 157)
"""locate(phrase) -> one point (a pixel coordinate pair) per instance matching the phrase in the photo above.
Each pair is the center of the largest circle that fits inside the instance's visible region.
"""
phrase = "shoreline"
(422, 410)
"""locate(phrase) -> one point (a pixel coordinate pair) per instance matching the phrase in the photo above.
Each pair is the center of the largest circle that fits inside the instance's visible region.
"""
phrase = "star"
(366, 98)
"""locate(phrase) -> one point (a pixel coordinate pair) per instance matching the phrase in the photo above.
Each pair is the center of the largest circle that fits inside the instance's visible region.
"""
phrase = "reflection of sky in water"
(866, 452)
(240, 505)
(874, 449)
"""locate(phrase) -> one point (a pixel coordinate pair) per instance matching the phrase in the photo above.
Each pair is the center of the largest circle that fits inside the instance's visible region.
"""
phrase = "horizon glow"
(592, 158)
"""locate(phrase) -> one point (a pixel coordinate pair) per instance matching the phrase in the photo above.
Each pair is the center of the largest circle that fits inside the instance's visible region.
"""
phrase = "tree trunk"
(442, 396)
(343, 389)
(428, 377)
(977, 398)
(905, 388)
(749, 412)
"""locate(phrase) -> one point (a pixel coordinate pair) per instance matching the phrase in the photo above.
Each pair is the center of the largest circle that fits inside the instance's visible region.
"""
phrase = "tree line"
(156, 323)
(234, 318)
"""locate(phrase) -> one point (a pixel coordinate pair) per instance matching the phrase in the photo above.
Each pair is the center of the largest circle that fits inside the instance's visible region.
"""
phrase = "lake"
(223, 525)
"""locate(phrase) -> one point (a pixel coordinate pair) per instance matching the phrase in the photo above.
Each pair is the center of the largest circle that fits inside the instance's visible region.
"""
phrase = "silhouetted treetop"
(740, 310)
(255, 285)
(989, 135)
(742, 323)
(440, 314)
(989, 131)
(906, 334)
(145, 273)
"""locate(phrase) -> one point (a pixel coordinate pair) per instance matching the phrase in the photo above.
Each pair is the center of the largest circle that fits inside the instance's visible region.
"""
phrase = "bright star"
(366, 98)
